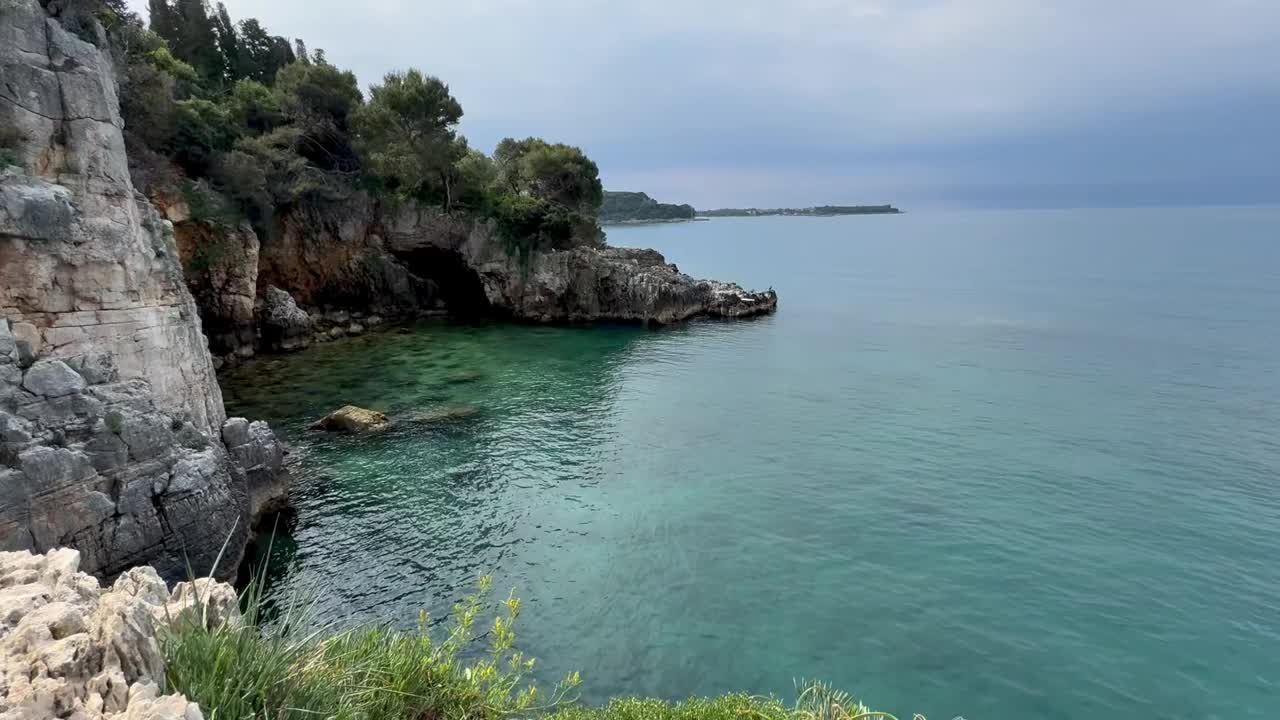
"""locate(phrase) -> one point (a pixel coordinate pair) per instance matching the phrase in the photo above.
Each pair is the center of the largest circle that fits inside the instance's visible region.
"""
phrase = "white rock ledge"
(72, 650)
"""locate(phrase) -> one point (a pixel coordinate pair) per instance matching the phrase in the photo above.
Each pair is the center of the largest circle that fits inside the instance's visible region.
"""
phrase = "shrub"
(201, 130)
(247, 670)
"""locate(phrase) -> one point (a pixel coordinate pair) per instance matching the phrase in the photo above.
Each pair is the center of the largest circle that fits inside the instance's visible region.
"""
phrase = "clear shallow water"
(1004, 465)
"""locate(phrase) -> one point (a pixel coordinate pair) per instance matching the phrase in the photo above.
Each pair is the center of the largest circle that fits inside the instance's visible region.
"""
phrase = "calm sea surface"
(1004, 465)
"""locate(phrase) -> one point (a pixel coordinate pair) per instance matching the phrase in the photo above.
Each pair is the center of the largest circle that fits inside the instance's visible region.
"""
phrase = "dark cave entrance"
(451, 282)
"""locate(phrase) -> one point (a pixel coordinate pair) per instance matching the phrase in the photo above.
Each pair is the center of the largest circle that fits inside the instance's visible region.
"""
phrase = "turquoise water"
(998, 464)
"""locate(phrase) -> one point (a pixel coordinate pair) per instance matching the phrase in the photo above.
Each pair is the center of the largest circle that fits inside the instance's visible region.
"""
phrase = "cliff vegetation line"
(472, 671)
(239, 123)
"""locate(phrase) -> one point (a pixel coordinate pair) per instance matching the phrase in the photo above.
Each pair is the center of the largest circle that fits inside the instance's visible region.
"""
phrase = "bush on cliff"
(285, 670)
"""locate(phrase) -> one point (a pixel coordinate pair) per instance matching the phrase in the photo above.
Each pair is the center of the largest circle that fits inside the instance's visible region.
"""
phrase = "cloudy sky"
(800, 102)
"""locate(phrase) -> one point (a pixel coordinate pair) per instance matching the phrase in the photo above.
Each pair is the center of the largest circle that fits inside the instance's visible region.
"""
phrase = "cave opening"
(453, 284)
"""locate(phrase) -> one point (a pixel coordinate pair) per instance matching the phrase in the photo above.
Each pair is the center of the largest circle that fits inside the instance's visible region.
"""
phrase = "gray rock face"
(110, 414)
(284, 325)
(69, 649)
(579, 285)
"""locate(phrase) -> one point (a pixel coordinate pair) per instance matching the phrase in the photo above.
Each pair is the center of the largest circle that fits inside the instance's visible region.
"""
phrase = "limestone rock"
(69, 649)
(284, 325)
(260, 456)
(52, 378)
(352, 419)
(110, 414)
(570, 286)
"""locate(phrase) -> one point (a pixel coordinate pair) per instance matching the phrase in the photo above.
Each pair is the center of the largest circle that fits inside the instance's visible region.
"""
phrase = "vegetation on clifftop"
(231, 110)
(285, 670)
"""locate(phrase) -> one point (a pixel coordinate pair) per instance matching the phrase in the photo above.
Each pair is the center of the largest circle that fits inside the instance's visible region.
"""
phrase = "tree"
(192, 36)
(224, 32)
(408, 132)
(558, 173)
(261, 54)
(319, 99)
(254, 107)
(202, 130)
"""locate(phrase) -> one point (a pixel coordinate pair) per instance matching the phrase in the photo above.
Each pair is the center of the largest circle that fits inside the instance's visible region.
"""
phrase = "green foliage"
(286, 671)
(260, 54)
(290, 177)
(408, 133)
(243, 180)
(318, 92)
(477, 179)
(558, 173)
(202, 129)
(193, 37)
(529, 225)
(255, 107)
(208, 207)
(147, 104)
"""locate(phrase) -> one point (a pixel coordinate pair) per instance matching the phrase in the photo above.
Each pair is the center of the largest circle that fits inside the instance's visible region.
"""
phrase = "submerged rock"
(446, 414)
(69, 649)
(464, 377)
(352, 419)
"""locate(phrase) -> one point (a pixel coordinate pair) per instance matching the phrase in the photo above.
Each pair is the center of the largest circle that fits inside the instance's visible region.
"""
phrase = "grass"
(288, 670)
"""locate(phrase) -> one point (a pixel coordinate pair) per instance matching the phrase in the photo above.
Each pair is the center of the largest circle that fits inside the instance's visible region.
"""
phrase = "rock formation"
(324, 276)
(581, 285)
(352, 419)
(69, 649)
(112, 426)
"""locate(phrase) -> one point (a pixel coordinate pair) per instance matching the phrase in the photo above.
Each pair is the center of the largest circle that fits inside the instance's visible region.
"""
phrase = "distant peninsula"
(819, 211)
(637, 208)
(620, 208)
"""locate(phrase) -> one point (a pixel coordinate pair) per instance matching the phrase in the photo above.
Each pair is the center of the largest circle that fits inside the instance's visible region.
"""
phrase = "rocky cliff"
(326, 274)
(69, 649)
(113, 436)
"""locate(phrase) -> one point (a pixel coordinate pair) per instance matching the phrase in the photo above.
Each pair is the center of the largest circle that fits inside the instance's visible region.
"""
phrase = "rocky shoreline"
(72, 649)
(116, 309)
(381, 263)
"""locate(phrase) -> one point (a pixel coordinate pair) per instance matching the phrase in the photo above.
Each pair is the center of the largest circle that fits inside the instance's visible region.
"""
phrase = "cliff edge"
(113, 436)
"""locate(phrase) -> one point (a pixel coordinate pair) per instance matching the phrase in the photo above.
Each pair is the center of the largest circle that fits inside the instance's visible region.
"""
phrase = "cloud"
(827, 88)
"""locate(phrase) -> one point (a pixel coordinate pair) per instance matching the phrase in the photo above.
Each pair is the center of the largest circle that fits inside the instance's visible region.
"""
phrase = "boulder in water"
(352, 419)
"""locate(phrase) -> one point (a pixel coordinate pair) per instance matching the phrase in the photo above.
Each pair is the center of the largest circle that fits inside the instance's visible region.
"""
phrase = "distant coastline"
(637, 208)
(818, 211)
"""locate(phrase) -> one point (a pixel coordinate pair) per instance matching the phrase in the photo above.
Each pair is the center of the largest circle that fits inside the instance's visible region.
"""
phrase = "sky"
(964, 103)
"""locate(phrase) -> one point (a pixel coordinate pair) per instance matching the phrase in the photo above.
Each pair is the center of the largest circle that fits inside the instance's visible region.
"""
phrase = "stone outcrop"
(330, 275)
(221, 269)
(70, 649)
(111, 419)
(352, 419)
(284, 325)
(581, 285)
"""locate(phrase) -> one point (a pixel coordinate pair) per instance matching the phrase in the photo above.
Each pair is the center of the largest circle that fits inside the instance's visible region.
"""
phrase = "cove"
(998, 465)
